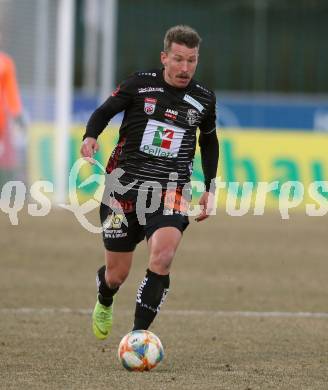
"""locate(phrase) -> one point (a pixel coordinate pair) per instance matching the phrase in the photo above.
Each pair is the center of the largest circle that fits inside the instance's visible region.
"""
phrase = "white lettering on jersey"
(193, 102)
(150, 89)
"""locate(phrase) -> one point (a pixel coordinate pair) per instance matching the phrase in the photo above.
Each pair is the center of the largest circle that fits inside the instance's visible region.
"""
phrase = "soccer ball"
(140, 350)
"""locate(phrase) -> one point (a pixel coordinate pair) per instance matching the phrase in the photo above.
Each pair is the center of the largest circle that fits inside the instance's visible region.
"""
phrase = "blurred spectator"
(12, 134)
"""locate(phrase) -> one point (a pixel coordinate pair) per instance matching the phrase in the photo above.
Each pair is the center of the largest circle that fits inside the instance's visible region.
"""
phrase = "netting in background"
(28, 31)
(29, 36)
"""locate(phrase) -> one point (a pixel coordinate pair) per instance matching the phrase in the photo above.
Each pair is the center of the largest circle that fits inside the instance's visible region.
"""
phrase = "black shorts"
(123, 231)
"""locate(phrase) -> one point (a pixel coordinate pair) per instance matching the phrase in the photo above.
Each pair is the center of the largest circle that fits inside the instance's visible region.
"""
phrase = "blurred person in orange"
(10, 117)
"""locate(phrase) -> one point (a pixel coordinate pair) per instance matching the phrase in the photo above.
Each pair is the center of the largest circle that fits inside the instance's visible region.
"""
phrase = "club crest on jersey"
(150, 105)
(192, 116)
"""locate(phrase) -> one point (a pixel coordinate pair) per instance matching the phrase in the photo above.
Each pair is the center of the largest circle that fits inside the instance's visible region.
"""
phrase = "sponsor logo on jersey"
(163, 137)
(150, 89)
(192, 116)
(150, 105)
(171, 114)
(193, 102)
(147, 74)
(203, 88)
(161, 140)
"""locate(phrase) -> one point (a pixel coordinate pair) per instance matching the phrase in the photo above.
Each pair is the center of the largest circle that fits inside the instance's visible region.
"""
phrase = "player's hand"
(207, 201)
(89, 148)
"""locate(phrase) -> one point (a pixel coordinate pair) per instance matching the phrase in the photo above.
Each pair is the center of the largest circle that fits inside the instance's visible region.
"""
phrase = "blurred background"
(266, 60)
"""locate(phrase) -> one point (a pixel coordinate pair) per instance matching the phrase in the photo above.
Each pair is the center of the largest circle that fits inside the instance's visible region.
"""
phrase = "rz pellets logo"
(163, 137)
(161, 140)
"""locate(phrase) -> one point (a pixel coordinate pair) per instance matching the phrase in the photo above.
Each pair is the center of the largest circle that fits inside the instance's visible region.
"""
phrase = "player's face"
(180, 64)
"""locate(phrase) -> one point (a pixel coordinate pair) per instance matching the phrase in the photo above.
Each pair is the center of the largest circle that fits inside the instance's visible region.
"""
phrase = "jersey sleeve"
(208, 124)
(209, 146)
(119, 101)
(209, 150)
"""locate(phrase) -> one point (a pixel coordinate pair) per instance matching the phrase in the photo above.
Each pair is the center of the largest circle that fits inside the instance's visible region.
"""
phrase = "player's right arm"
(119, 101)
(89, 148)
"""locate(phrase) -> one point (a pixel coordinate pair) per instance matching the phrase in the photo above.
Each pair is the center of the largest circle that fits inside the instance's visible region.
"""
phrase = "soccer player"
(162, 110)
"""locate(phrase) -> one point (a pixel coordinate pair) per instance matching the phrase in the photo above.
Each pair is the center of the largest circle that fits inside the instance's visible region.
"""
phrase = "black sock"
(150, 296)
(105, 293)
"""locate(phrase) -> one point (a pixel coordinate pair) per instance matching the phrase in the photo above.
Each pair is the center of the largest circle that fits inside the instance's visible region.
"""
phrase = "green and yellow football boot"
(102, 320)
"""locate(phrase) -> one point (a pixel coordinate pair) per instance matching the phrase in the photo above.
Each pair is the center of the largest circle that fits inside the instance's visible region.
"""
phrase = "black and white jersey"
(158, 131)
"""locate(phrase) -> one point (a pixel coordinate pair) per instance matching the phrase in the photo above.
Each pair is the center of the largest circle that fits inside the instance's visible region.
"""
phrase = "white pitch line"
(188, 313)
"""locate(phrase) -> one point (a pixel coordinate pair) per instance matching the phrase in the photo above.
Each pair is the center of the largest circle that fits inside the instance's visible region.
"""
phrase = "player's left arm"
(209, 150)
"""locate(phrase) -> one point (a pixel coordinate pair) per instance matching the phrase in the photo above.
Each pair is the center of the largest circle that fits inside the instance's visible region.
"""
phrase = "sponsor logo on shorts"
(112, 227)
(113, 221)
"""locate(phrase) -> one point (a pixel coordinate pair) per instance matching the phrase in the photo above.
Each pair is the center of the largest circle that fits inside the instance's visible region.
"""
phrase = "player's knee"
(114, 278)
(160, 261)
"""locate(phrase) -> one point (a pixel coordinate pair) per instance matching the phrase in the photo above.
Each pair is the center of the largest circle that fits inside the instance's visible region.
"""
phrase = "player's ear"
(163, 58)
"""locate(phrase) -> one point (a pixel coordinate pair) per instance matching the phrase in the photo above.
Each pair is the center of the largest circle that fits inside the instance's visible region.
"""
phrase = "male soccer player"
(162, 110)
